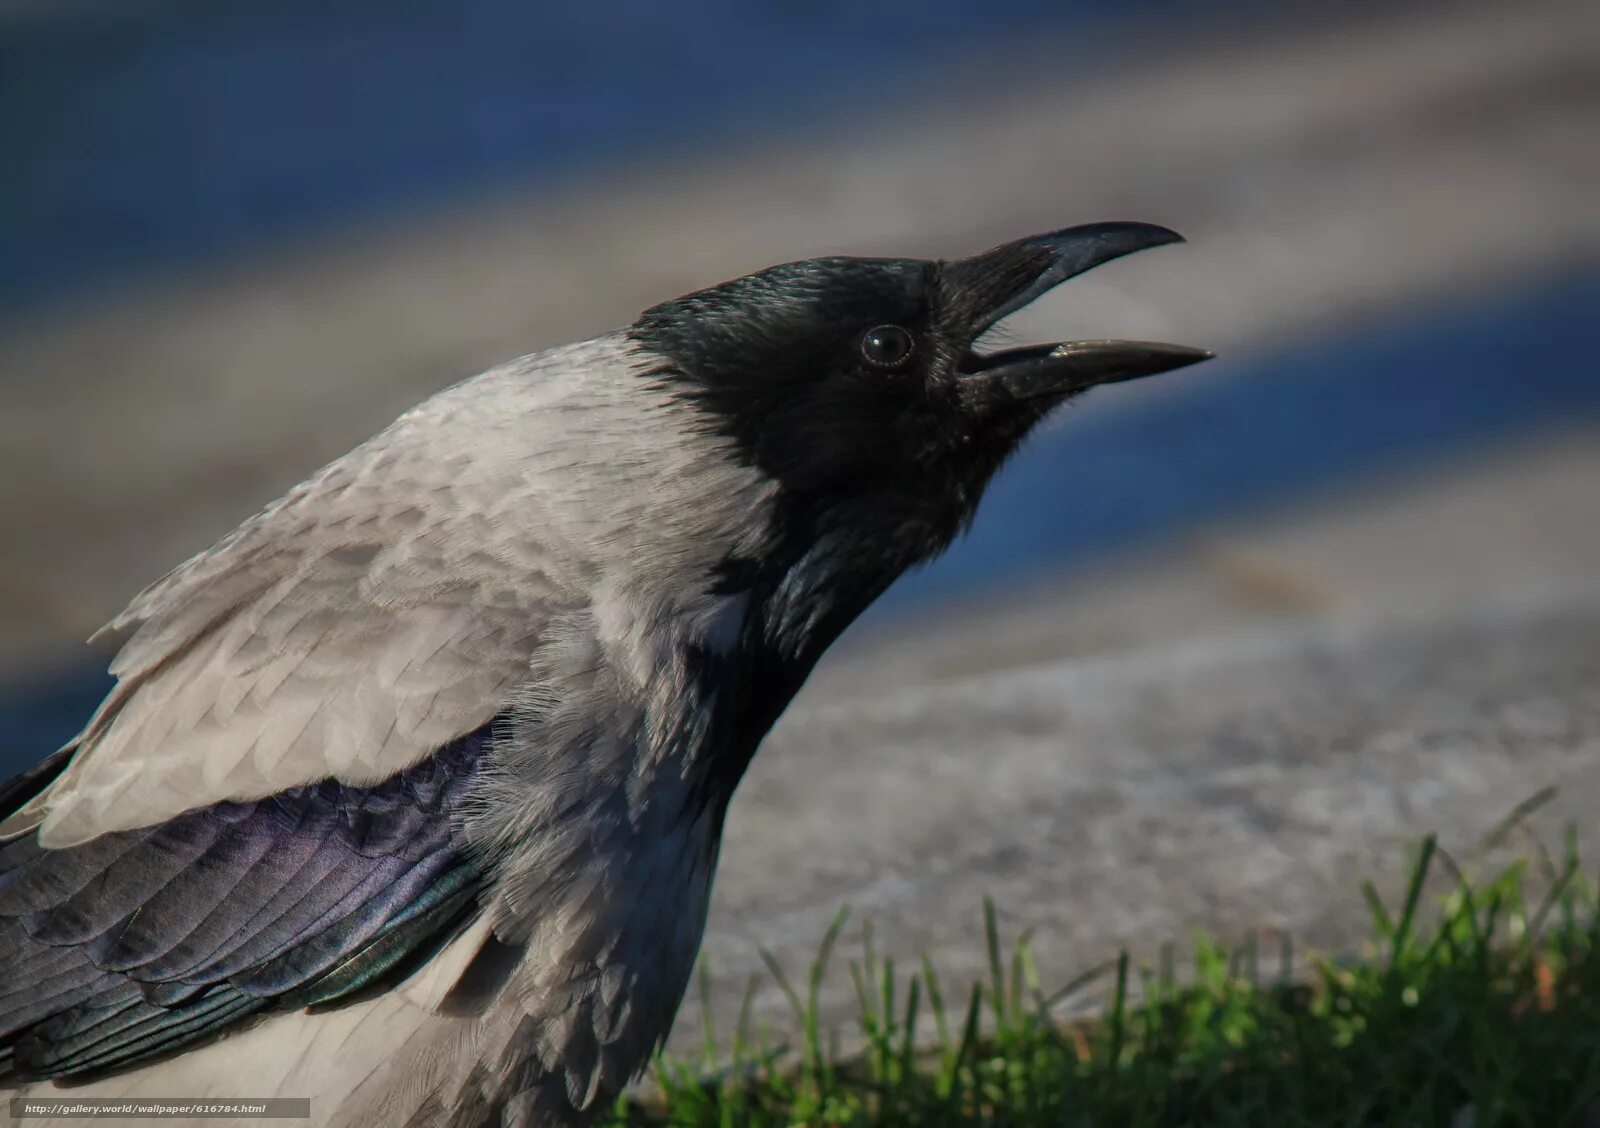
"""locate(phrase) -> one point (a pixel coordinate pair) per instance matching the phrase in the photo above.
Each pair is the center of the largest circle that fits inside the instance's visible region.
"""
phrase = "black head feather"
(776, 362)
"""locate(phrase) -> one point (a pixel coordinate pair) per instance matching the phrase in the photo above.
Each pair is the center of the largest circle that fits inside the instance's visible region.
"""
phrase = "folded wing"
(146, 941)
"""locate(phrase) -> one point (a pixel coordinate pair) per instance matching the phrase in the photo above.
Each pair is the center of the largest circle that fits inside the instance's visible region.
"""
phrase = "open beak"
(1015, 274)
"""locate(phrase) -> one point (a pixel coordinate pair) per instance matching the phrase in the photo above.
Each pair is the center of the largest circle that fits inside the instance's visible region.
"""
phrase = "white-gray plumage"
(394, 601)
(611, 564)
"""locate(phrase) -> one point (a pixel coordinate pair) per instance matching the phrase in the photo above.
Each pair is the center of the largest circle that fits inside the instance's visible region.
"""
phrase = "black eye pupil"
(886, 346)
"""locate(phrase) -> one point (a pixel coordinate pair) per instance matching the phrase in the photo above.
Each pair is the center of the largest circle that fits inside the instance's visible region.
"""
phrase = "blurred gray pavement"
(1230, 734)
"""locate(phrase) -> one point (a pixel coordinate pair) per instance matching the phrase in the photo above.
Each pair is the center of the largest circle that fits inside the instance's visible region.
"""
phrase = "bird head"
(857, 385)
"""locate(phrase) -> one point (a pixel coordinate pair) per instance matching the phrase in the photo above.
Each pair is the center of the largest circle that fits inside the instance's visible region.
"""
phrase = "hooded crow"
(408, 796)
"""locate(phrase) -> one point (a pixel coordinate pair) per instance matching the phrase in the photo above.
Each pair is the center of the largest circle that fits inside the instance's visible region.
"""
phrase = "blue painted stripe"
(156, 133)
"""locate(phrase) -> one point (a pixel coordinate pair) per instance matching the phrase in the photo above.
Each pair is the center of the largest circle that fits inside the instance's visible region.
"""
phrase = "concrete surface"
(1230, 735)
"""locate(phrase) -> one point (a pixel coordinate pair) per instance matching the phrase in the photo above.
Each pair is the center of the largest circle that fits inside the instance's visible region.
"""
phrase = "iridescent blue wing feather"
(141, 942)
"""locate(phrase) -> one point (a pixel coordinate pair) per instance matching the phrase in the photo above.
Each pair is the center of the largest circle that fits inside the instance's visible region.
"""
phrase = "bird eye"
(886, 346)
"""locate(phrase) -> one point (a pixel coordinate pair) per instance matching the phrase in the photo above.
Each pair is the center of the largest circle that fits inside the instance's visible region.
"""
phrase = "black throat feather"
(876, 471)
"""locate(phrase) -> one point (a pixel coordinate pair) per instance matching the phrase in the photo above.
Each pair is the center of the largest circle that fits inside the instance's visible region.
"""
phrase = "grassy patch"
(1482, 1010)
